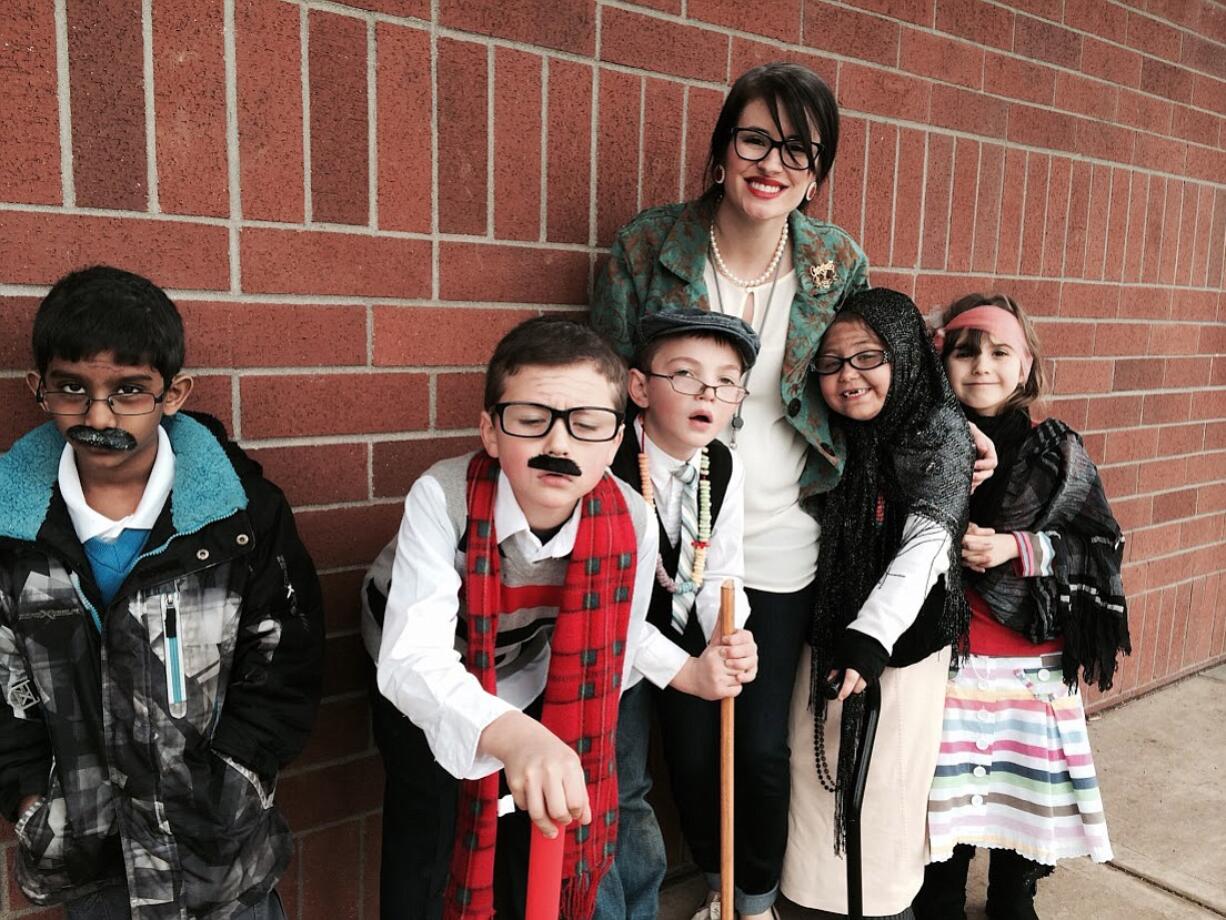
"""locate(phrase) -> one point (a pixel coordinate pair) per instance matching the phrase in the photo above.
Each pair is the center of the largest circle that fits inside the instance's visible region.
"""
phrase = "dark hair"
(547, 341)
(102, 309)
(805, 98)
(646, 353)
(1036, 384)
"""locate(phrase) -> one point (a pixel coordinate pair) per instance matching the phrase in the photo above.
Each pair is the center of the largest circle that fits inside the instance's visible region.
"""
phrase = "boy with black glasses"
(507, 619)
(161, 636)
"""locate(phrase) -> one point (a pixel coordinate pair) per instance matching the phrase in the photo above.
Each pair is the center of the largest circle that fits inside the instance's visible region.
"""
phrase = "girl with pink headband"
(1041, 561)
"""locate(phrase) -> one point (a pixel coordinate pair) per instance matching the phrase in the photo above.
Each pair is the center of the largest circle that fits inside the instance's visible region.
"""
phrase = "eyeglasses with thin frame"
(689, 385)
(861, 361)
(63, 402)
(754, 145)
(533, 420)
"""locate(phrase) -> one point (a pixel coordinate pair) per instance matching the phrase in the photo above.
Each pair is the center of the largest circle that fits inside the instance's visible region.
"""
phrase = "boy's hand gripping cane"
(545, 875)
(727, 750)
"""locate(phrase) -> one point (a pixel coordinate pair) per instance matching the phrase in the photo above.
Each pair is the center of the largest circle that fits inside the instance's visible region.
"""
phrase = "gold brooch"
(823, 275)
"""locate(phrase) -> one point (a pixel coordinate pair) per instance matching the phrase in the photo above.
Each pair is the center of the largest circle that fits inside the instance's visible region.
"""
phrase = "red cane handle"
(545, 875)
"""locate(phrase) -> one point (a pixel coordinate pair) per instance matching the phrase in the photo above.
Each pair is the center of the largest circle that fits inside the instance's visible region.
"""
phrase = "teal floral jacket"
(657, 264)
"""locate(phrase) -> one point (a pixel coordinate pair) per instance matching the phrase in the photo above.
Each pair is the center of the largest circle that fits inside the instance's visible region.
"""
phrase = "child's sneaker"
(709, 911)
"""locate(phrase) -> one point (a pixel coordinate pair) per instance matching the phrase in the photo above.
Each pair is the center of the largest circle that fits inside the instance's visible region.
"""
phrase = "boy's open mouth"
(702, 415)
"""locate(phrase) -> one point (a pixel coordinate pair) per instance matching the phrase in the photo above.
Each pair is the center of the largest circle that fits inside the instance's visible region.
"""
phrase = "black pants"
(419, 803)
(690, 729)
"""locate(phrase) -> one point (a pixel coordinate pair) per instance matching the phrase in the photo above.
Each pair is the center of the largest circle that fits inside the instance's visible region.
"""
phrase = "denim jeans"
(111, 903)
(631, 889)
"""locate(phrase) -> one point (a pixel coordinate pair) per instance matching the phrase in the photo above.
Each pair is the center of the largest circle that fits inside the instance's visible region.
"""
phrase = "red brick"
(880, 92)
(268, 55)
(1078, 217)
(661, 45)
(1211, 499)
(1155, 213)
(317, 474)
(1217, 237)
(781, 22)
(289, 886)
(1018, 79)
(1041, 128)
(1065, 340)
(1215, 436)
(1070, 411)
(214, 394)
(459, 400)
(703, 107)
(748, 53)
(1160, 153)
(664, 6)
(1117, 225)
(1145, 112)
(1173, 505)
(339, 150)
(272, 335)
(1134, 444)
(961, 215)
(1152, 542)
(105, 63)
(1165, 408)
(662, 122)
(189, 83)
(1038, 166)
(404, 104)
(569, 26)
(972, 113)
(342, 729)
(1212, 339)
(1097, 225)
(1203, 55)
(1153, 37)
(29, 119)
(1111, 62)
(1098, 17)
(291, 261)
(372, 848)
(462, 136)
(329, 855)
(1150, 303)
(879, 190)
(1045, 41)
(617, 155)
(908, 198)
(861, 36)
(1208, 93)
(1202, 162)
(515, 274)
(430, 336)
(1083, 375)
(1138, 374)
(980, 22)
(517, 138)
(848, 177)
(987, 207)
(569, 152)
(1084, 299)
(1110, 412)
(1086, 97)
(342, 600)
(947, 59)
(1200, 624)
(402, 8)
(1168, 80)
(17, 319)
(934, 291)
(1209, 404)
(348, 536)
(1119, 481)
(331, 794)
(1135, 251)
(1101, 141)
(1057, 217)
(920, 12)
(18, 411)
(398, 464)
(297, 405)
(37, 248)
(1181, 439)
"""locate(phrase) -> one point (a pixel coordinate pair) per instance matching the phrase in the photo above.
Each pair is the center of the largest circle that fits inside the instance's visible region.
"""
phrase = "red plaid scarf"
(581, 694)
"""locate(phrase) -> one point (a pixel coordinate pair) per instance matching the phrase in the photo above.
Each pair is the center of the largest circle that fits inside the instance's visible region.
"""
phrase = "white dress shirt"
(88, 523)
(419, 669)
(725, 552)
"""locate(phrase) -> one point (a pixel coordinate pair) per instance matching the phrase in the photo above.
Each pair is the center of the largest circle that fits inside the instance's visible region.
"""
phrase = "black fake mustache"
(563, 465)
(107, 439)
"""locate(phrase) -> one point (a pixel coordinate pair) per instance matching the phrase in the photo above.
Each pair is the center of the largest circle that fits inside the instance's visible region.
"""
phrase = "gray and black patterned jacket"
(153, 727)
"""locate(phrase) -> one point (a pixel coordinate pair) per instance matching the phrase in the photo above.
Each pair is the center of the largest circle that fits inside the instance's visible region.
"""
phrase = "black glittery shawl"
(917, 457)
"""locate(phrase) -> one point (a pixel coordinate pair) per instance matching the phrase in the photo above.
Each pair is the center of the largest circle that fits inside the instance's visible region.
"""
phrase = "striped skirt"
(1015, 769)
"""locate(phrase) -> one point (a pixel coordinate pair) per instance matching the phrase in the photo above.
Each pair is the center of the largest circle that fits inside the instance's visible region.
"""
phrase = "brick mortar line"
(1181, 521)
(490, 100)
(63, 96)
(233, 160)
(435, 259)
(368, 438)
(542, 217)
(304, 89)
(1113, 699)
(1164, 557)
(150, 101)
(372, 127)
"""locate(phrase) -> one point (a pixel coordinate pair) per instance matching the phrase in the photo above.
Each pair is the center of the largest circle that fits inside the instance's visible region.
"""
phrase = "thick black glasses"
(754, 144)
(532, 420)
(688, 385)
(62, 402)
(861, 361)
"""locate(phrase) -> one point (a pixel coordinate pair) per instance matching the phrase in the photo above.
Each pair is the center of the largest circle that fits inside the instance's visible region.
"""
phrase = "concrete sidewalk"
(1162, 766)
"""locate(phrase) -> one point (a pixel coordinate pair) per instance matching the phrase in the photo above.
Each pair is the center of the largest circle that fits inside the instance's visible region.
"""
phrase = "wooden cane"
(544, 875)
(727, 750)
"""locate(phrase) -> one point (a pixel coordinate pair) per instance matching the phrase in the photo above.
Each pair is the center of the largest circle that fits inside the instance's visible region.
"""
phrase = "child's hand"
(985, 457)
(983, 548)
(852, 683)
(722, 667)
(543, 773)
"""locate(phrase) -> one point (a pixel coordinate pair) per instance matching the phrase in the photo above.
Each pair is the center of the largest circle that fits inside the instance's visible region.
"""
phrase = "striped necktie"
(683, 599)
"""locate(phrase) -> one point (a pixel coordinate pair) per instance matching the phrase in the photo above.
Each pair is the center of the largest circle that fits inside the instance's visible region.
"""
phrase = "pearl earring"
(719, 174)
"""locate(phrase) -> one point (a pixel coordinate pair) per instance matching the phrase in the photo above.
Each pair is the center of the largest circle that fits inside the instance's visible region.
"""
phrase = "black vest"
(626, 467)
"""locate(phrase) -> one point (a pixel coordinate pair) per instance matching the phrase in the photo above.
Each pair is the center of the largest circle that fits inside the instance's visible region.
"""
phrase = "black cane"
(854, 799)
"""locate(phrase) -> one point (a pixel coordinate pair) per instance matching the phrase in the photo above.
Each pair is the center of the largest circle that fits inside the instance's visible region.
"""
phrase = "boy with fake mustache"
(508, 620)
(161, 632)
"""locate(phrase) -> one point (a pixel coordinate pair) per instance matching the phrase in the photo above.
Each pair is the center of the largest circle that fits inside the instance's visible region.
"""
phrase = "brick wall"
(351, 201)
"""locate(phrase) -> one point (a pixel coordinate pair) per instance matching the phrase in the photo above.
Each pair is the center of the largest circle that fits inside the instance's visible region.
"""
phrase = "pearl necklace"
(699, 568)
(762, 278)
